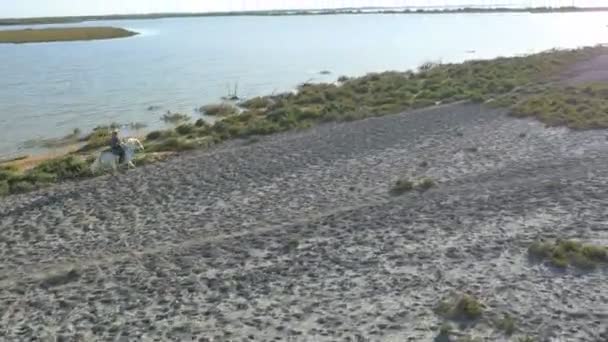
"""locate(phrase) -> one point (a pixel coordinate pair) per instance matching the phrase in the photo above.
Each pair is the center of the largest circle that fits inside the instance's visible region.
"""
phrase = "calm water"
(179, 64)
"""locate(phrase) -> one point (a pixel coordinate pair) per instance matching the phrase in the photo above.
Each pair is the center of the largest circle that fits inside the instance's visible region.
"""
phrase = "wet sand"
(296, 236)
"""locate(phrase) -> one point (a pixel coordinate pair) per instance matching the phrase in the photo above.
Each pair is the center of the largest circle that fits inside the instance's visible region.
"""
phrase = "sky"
(37, 8)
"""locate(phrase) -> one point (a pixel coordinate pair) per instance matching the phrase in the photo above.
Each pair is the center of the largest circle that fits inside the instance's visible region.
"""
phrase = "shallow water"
(180, 64)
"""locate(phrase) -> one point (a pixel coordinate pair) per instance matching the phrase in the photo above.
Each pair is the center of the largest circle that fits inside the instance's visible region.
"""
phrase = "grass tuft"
(464, 307)
(402, 186)
(564, 253)
(506, 324)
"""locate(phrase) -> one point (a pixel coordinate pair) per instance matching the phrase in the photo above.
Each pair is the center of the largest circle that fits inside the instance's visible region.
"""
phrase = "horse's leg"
(127, 162)
(94, 166)
(129, 159)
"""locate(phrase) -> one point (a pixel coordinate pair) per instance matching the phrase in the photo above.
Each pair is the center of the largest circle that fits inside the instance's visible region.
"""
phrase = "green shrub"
(310, 97)
(201, 123)
(463, 307)
(246, 117)
(12, 167)
(184, 129)
(402, 186)
(154, 135)
(263, 127)
(99, 137)
(7, 174)
(563, 253)
(308, 114)
(575, 107)
(22, 187)
(595, 253)
(70, 167)
(4, 188)
(427, 66)
(540, 250)
(221, 109)
(257, 103)
(39, 177)
(228, 129)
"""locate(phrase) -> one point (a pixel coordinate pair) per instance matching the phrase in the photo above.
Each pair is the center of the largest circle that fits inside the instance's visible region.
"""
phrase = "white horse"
(107, 159)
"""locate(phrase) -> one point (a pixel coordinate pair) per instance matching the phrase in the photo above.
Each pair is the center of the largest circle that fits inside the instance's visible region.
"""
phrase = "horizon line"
(402, 9)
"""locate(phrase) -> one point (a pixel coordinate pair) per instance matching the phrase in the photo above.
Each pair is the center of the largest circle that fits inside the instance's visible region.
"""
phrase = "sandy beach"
(296, 237)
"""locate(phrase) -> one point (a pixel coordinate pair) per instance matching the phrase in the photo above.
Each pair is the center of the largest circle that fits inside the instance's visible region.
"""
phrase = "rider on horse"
(116, 146)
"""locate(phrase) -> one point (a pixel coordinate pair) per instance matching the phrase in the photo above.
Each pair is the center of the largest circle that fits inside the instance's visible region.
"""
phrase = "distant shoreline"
(80, 19)
(62, 34)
